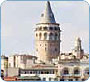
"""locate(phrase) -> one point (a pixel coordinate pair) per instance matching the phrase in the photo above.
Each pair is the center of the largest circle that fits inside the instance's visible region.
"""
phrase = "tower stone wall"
(47, 36)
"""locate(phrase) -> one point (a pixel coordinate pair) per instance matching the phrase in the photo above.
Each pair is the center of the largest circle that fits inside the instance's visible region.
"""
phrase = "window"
(41, 72)
(22, 72)
(83, 79)
(40, 35)
(36, 34)
(61, 79)
(47, 72)
(44, 28)
(55, 49)
(55, 79)
(76, 71)
(45, 36)
(25, 72)
(30, 72)
(51, 28)
(51, 71)
(45, 45)
(40, 28)
(56, 36)
(51, 37)
(59, 28)
(45, 49)
(66, 71)
(70, 79)
(44, 79)
(50, 79)
(76, 79)
(56, 28)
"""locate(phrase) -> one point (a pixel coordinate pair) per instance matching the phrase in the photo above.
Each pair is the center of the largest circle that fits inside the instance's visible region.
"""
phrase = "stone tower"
(47, 36)
(78, 51)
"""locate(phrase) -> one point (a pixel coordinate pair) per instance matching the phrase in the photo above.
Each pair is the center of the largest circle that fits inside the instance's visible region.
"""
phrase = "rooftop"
(47, 16)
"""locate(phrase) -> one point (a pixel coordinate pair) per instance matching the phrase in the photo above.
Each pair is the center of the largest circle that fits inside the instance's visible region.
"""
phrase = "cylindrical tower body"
(47, 36)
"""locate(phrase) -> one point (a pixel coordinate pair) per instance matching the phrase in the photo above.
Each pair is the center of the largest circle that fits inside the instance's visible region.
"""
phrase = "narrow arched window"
(56, 28)
(44, 28)
(45, 36)
(40, 35)
(36, 35)
(56, 36)
(40, 28)
(51, 36)
(51, 28)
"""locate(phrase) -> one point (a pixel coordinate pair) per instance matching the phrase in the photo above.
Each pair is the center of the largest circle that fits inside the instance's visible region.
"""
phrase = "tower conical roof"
(47, 16)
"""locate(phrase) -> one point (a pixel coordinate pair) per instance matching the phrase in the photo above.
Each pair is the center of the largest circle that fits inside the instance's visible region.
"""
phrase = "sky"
(19, 19)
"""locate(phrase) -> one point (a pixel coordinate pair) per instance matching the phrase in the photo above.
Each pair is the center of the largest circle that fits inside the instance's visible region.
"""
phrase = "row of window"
(76, 79)
(48, 28)
(76, 71)
(50, 36)
(65, 72)
(37, 72)
(62, 79)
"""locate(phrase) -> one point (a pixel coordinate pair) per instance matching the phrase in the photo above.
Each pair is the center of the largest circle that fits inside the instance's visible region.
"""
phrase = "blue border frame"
(44, 0)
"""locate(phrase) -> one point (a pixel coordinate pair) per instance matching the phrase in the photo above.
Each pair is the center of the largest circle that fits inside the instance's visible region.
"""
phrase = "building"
(4, 65)
(78, 51)
(46, 72)
(21, 61)
(74, 66)
(73, 70)
(47, 36)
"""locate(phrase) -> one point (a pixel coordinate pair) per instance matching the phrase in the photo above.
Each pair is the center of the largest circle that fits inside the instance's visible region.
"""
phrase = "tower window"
(51, 37)
(56, 28)
(40, 28)
(51, 28)
(45, 36)
(45, 49)
(45, 28)
(56, 36)
(55, 49)
(36, 34)
(45, 44)
(40, 35)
